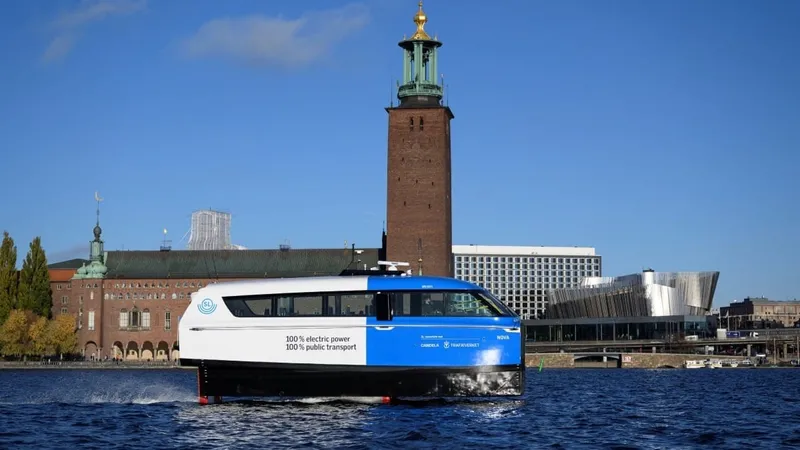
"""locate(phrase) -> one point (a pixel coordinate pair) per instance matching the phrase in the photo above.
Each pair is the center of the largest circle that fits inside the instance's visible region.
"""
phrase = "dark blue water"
(669, 409)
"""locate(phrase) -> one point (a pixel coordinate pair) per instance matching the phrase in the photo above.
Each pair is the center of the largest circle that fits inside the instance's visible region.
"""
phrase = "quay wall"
(629, 360)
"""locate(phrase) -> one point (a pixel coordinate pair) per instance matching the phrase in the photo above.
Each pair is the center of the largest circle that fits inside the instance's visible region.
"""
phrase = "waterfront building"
(647, 305)
(759, 312)
(127, 304)
(419, 223)
(522, 275)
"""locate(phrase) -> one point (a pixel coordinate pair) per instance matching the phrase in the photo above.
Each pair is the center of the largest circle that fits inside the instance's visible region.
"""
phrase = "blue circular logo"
(207, 306)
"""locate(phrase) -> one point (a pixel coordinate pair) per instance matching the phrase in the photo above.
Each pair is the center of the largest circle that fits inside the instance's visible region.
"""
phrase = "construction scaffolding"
(211, 230)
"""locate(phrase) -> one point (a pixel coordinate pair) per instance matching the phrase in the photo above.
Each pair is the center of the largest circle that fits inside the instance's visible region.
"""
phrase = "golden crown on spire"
(420, 19)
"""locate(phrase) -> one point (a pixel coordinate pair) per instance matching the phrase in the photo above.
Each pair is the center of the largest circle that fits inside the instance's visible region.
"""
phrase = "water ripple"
(574, 409)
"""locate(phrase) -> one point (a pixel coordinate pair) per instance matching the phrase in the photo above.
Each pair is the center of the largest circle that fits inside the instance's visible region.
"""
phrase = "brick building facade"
(132, 312)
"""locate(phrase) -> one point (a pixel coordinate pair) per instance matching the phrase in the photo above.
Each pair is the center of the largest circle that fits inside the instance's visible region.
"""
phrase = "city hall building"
(127, 303)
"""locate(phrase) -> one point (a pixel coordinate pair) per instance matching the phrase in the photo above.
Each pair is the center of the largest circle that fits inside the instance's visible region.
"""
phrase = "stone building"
(127, 304)
(759, 312)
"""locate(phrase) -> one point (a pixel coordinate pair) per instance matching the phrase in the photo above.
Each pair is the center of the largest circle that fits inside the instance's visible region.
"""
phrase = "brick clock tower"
(419, 224)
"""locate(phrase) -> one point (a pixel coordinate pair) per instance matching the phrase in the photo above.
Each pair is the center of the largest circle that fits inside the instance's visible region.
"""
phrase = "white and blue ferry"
(370, 334)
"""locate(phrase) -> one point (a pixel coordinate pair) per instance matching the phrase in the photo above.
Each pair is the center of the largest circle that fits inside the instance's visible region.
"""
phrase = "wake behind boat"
(376, 334)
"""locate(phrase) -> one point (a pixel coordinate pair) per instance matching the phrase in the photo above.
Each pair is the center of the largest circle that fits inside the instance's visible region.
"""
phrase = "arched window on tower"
(421, 123)
(411, 123)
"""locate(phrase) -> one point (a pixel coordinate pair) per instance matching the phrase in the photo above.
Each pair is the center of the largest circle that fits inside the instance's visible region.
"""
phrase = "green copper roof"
(68, 264)
(233, 263)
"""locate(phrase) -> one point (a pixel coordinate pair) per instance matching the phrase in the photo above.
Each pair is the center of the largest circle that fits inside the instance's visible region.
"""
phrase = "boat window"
(450, 304)
(302, 305)
(299, 306)
(355, 305)
(476, 303)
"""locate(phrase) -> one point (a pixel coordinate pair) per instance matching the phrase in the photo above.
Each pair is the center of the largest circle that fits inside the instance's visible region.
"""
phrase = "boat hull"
(244, 379)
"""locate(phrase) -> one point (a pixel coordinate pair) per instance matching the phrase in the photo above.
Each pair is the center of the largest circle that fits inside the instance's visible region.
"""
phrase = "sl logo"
(207, 306)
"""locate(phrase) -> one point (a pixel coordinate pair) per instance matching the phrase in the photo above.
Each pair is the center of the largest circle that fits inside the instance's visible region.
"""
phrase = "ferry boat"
(386, 334)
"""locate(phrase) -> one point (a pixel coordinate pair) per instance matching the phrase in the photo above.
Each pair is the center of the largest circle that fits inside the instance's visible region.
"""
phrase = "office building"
(521, 275)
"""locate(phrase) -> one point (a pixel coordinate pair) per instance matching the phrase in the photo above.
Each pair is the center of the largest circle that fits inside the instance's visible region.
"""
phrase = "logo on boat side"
(207, 306)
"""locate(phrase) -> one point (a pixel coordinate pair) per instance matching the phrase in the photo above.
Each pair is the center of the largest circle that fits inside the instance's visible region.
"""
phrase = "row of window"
(141, 319)
(127, 319)
(498, 268)
(148, 296)
(547, 278)
(528, 259)
(496, 288)
(153, 285)
(159, 285)
(342, 304)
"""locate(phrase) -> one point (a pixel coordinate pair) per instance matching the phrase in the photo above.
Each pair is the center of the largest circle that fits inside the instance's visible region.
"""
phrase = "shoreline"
(32, 365)
(70, 365)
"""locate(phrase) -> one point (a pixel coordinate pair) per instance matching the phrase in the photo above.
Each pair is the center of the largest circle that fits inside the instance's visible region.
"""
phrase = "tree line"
(27, 324)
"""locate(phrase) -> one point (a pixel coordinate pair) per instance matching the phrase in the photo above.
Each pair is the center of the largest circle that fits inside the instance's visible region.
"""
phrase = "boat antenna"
(419, 248)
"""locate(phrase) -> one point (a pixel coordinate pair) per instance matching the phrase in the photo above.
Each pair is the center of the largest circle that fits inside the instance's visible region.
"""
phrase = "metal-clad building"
(642, 306)
(646, 294)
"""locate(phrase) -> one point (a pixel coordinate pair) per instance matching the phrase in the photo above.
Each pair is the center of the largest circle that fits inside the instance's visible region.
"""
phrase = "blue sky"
(663, 133)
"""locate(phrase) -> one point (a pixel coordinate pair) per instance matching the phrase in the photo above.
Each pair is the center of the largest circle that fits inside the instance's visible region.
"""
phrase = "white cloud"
(59, 47)
(69, 23)
(275, 41)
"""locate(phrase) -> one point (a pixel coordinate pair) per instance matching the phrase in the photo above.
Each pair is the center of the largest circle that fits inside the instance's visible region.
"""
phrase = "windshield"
(497, 303)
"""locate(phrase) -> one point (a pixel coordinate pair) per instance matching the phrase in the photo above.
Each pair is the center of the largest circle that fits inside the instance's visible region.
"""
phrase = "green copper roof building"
(97, 256)
(421, 85)
(215, 264)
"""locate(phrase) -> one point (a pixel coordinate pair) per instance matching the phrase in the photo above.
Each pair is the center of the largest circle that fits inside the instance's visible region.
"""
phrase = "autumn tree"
(14, 334)
(34, 281)
(41, 337)
(62, 334)
(8, 276)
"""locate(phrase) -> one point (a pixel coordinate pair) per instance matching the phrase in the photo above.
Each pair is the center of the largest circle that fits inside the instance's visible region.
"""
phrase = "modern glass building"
(642, 306)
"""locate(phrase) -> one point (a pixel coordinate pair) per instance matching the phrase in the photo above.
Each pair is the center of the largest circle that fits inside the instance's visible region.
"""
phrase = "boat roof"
(335, 284)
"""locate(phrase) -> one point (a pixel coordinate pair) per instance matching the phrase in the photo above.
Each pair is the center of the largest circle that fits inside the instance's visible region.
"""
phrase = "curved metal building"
(646, 294)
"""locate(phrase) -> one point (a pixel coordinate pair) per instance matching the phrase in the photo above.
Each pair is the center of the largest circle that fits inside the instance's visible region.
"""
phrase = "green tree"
(8, 276)
(34, 281)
